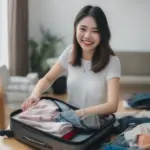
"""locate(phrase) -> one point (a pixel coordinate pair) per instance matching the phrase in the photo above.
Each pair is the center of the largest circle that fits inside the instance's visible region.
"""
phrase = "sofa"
(135, 67)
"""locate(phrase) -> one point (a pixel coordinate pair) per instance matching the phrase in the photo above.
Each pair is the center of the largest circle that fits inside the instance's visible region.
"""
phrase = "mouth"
(87, 43)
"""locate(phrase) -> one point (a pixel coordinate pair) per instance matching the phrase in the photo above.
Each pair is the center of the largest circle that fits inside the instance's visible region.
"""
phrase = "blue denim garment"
(140, 100)
(70, 116)
(114, 147)
(120, 140)
(127, 121)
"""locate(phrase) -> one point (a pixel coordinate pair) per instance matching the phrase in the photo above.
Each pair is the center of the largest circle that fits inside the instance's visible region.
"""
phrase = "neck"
(87, 55)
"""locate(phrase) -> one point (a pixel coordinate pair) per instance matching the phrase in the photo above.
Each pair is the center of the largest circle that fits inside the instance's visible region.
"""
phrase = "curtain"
(18, 36)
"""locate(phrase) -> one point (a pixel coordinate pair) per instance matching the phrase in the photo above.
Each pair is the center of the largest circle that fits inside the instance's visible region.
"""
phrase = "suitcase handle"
(37, 142)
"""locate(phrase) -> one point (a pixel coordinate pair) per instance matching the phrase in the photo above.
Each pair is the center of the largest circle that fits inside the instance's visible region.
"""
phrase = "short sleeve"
(113, 68)
(64, 57)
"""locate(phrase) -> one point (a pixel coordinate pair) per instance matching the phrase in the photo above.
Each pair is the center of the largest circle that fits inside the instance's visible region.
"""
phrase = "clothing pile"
(132, 128)
(137, 101)
(133, 131)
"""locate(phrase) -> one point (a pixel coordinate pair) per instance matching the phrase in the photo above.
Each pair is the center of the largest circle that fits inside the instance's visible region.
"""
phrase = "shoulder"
(114, 60)
(113, 67)
(65, 56)
(69, 49)
(66, 52)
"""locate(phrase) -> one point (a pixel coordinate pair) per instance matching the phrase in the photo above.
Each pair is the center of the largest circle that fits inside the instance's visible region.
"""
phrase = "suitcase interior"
(46, 141)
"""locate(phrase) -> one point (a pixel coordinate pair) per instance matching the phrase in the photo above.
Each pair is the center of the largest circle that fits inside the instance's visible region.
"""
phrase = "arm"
(48, 79)
(113, 88)
(53, 74)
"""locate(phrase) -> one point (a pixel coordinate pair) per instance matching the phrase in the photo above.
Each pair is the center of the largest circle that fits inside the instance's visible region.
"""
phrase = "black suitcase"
(45, 141)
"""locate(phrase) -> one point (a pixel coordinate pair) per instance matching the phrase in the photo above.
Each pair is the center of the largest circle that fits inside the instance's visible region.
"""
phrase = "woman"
(93, 69)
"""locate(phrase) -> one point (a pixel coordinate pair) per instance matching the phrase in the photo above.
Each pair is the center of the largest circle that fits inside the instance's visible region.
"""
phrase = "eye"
(95, 31)
(82, 29)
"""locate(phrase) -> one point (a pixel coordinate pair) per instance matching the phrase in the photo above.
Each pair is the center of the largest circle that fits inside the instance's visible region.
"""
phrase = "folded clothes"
(42, 117)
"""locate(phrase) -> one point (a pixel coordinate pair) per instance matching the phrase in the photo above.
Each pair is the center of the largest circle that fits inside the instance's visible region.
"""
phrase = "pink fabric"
(44, 111)
(41, 117)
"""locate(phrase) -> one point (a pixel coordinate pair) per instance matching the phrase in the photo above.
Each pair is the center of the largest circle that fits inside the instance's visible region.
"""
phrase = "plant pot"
(60, 85)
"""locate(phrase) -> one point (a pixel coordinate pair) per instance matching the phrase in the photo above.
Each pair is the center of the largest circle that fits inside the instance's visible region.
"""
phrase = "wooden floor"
(124, 91)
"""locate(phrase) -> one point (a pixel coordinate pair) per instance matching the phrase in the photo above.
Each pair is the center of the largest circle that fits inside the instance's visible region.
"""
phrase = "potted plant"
(39, 52)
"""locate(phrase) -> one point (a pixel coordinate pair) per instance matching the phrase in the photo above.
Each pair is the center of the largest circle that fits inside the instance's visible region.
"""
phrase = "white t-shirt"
(86, 88)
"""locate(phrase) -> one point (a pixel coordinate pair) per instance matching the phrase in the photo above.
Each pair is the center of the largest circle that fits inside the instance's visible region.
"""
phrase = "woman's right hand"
(31, 101)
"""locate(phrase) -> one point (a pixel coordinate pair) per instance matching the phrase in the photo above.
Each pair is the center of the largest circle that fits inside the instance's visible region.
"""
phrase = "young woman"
(93, 69)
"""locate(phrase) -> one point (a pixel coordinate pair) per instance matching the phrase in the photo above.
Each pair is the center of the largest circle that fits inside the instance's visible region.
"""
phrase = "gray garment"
(96, 121)
(81, 137)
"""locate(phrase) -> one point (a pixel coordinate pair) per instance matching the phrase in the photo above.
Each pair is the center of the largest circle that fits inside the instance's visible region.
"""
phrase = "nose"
(87, 34)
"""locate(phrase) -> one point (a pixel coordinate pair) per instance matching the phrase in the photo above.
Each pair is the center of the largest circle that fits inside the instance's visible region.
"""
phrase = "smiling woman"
(92, 67)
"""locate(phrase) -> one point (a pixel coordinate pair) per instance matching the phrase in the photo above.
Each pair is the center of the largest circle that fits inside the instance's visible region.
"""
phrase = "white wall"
(3, 33)
(129, 20)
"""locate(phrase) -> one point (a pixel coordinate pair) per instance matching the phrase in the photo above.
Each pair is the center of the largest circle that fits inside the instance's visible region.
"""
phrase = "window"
(3, 33)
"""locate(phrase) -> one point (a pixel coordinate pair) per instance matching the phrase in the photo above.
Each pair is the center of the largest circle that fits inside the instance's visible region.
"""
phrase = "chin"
(87, 48)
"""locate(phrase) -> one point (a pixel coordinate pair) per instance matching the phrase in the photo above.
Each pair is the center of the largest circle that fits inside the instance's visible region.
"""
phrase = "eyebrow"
(86, 27)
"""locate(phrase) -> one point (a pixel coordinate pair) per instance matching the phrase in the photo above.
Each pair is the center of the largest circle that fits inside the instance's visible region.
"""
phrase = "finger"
(27, 103)
(32, 102)
(23, 106)
(35, 102)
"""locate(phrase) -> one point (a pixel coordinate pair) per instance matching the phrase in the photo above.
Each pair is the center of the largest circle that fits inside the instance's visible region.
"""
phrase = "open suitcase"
(45, 141)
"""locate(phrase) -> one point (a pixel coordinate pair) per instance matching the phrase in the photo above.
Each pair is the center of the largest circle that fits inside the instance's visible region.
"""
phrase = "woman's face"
(87, 34)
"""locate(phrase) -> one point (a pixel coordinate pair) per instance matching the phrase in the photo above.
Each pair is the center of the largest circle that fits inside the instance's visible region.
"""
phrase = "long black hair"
(101, 55)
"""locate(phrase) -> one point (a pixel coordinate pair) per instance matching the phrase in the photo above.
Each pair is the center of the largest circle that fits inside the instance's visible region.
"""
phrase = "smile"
(87, 42)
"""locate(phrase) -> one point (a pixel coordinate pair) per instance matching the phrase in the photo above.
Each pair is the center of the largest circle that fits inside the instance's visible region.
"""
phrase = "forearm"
(101, 109)
(41, 86)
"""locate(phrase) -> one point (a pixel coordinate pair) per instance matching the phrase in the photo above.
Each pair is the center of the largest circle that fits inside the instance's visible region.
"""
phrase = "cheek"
(78, 36)
(97, 38)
